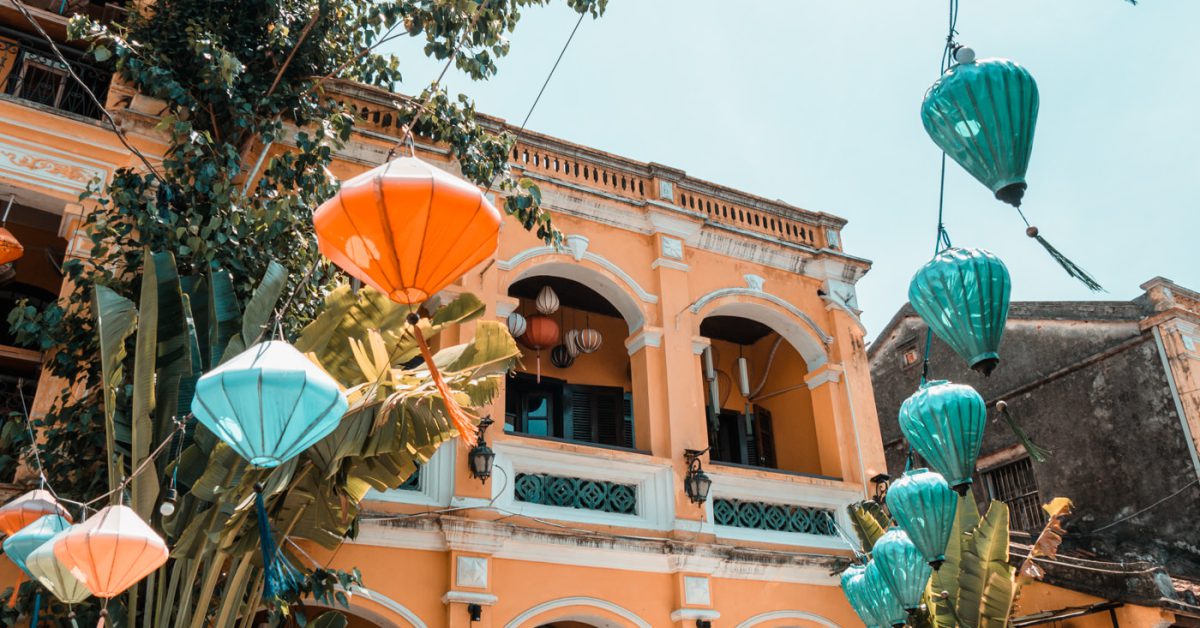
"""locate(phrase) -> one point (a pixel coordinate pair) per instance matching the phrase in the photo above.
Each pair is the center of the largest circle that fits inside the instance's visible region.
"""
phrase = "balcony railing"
(30, 71)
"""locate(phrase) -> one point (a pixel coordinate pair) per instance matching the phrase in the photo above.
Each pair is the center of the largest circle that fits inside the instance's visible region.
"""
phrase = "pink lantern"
(28, 508)
(111, 551)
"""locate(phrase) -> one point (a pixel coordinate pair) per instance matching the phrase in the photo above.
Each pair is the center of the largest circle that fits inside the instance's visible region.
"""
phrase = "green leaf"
(116, 318)
(101, 53)
(144, 487)
(224, 314)
(261, 306)
(987, 580)
(870, 522)
(946, 579)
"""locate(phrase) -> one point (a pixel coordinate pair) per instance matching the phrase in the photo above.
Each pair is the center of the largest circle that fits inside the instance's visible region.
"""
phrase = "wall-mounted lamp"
(475, 611)
(697, 483)
(481, 456)
(881, 487)
(703, 623)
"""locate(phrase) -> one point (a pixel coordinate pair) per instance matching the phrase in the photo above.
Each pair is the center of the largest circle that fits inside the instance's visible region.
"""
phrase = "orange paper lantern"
(111, 551)
(541, 333)
(10, 249)
(28, 508)
(408, 230)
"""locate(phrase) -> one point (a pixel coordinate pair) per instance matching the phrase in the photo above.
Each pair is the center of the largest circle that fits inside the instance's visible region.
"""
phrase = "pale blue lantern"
(20, 544)
(963, 295)
(944, 423)
(923, 506)
(983, 114)
(884, 605)
(269, 403)
(902, 567)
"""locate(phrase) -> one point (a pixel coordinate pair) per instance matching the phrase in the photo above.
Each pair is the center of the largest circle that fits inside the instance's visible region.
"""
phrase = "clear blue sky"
(817, 103)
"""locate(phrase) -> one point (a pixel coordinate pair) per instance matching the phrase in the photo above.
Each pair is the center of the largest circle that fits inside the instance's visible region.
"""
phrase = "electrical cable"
(1144, 510)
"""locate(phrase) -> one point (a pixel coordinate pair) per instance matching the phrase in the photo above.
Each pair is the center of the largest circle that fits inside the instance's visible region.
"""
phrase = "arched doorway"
(586, 397)
(759, 409)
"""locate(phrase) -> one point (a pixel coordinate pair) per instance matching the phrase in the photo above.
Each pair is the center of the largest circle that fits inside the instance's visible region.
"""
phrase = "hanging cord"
(941, 240)
(37, 456)
(1072, 268)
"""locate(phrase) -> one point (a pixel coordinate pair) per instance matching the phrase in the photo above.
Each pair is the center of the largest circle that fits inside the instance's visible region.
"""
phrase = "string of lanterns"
(982, 114)
(404, 228)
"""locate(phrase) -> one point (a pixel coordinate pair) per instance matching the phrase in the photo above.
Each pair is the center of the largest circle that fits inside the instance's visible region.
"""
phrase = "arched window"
(586, 399)
(759, 410)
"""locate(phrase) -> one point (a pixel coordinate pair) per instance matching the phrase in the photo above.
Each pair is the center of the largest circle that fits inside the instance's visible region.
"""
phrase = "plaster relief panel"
(672, 248)
(695, 591)
(472, 572)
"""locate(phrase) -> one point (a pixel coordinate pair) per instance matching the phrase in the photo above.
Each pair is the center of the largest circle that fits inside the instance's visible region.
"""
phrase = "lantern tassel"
(265, 542)
(460, 418)
(37, 610)
(1035, 451)
(1072, 268)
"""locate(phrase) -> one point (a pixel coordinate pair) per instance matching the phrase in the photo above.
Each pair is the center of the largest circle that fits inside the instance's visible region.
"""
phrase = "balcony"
(30, 71)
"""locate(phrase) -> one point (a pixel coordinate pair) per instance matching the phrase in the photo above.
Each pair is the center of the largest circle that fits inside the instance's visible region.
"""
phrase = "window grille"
(1015, 485)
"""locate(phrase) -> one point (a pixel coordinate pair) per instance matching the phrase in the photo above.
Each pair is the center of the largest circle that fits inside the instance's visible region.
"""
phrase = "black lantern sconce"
(475, 612)
(481, 456)
(881, 487)
(697, 483)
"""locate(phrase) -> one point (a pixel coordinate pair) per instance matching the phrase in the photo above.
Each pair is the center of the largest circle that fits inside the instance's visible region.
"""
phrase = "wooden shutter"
(579, 417)
(610, 417)
(628, 432)
(764, 435)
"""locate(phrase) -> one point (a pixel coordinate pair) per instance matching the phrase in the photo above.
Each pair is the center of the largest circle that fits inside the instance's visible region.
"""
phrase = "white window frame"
(435, 485)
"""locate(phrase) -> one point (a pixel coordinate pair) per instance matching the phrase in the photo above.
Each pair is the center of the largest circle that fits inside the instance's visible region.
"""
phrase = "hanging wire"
(942, 238)
(33, 444)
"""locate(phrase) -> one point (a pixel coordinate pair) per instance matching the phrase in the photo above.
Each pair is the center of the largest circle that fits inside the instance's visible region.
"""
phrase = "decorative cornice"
(669, 263)
(831, 373)
(687, 614)
(647, 337)
(469, 597)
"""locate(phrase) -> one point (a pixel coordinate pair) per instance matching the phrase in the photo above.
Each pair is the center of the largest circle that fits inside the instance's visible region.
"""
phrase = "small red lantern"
(10, 249)
(409, 230)
(28, 508)
(541, 333)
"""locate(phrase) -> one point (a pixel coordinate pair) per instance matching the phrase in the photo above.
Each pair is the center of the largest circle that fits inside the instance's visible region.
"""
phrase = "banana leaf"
(116, 318)
(224, 315)
(946, 578)
(987, 582)
(870, 522)
(261, 307)
(144, 487)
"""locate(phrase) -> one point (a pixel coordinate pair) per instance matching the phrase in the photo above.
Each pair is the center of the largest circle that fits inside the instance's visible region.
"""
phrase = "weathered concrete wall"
(1093, 392)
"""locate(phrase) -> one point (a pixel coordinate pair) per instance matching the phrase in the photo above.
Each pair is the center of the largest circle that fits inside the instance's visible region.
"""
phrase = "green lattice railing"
(556, 490)
(777, 517)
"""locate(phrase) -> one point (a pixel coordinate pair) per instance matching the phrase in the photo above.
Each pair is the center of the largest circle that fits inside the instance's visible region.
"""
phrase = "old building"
(1112, 390)
(585, 520)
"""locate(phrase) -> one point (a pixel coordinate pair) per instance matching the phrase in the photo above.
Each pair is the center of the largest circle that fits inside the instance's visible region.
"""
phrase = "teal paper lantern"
(884, 605)
(944, 423)
(18, 546)
(269, 403)
(962, 294)
(854, 586)
(982, 114)
(902, 567)
(923, 506)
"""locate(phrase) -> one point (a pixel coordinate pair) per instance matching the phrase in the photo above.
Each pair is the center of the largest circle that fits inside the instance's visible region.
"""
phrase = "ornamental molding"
(389, 604)
(469, 597)
(699, 304)
(647, 337)
(526, 617)
(37, 169)
(773, 616)
(602, 262)
(830, 374)
(685, 614)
